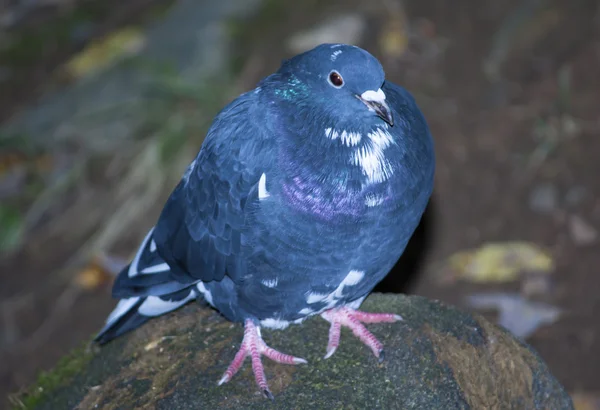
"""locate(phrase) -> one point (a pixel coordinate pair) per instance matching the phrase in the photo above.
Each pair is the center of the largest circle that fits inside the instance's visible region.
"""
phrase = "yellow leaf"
(393, 38)
(393, 41)
(93, 276)
(154, 344)
(500, 262)
(105, 51)
(585, 401)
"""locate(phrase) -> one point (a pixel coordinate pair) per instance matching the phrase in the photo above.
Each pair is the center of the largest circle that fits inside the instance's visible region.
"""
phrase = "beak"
(375, 101)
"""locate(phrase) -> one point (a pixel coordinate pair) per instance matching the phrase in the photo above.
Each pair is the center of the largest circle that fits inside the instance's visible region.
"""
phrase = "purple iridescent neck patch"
(322, 201)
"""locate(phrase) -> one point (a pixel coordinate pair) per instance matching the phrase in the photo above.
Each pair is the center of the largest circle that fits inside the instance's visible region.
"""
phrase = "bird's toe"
(254, 346)
(354, 319)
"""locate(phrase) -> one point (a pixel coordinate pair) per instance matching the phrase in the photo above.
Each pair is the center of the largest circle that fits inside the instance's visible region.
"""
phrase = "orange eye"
(336, 79)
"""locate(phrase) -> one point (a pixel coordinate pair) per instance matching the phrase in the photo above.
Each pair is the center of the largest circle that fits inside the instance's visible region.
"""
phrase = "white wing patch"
(133, 266)
(155, 306)
(122, 307)
(205, 292)
(371, 157)
(161, 267)
(262, 188)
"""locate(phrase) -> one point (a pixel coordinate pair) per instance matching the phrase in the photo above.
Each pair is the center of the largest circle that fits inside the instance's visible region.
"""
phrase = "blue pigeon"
(303, 196)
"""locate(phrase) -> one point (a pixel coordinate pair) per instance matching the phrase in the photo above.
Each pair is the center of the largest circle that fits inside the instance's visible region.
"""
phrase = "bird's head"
(342, 81)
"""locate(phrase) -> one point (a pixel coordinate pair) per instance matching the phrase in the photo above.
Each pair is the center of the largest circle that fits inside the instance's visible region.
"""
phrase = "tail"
(146, 290)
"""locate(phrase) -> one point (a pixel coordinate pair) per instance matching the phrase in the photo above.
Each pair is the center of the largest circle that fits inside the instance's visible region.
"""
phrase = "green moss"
(425, 367)
(60, 376)
(11, 227)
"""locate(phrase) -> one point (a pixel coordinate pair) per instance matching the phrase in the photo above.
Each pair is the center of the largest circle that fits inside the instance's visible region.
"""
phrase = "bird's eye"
(336, 79)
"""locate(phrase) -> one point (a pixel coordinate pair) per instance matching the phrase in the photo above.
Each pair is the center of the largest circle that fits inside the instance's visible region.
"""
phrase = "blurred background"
(104, 102)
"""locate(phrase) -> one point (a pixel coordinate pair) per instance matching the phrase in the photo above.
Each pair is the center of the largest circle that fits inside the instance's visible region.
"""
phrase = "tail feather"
(122, 319)
(133, 312)
(146, 289)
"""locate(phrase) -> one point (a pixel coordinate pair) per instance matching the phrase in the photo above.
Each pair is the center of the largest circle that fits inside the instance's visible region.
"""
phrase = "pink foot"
(254, 346)
(354, 320)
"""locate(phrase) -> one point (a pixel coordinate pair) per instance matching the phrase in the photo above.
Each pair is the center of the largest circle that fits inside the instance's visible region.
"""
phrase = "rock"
(581, 232)
(517, 314)
(544, 198)
(437, 358)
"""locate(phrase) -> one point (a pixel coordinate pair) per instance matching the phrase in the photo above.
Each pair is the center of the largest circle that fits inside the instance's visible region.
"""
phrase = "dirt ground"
(511, 93)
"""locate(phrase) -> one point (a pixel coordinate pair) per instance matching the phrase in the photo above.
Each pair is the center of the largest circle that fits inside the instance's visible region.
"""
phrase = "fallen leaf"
(154, 344)
(90, 278)
(102, 53)
(500, 262)
(394, 34)
(518, 315)
(393, 39)
(97, 273)
(585, 401)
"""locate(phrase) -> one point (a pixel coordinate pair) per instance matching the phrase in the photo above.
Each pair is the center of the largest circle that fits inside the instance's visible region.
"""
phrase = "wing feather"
(199, 232)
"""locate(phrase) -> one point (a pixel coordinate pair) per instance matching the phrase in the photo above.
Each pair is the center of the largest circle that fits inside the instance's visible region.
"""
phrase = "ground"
(510, 92)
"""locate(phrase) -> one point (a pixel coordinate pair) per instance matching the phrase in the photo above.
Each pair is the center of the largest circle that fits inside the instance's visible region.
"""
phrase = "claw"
(268, 395)
(330, 352)
(224, 379)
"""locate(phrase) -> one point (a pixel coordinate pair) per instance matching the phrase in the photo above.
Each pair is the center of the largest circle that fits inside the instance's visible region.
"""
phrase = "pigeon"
(301, 199)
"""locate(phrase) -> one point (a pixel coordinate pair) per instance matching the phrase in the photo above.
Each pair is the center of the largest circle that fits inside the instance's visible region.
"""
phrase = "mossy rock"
(438, 357)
